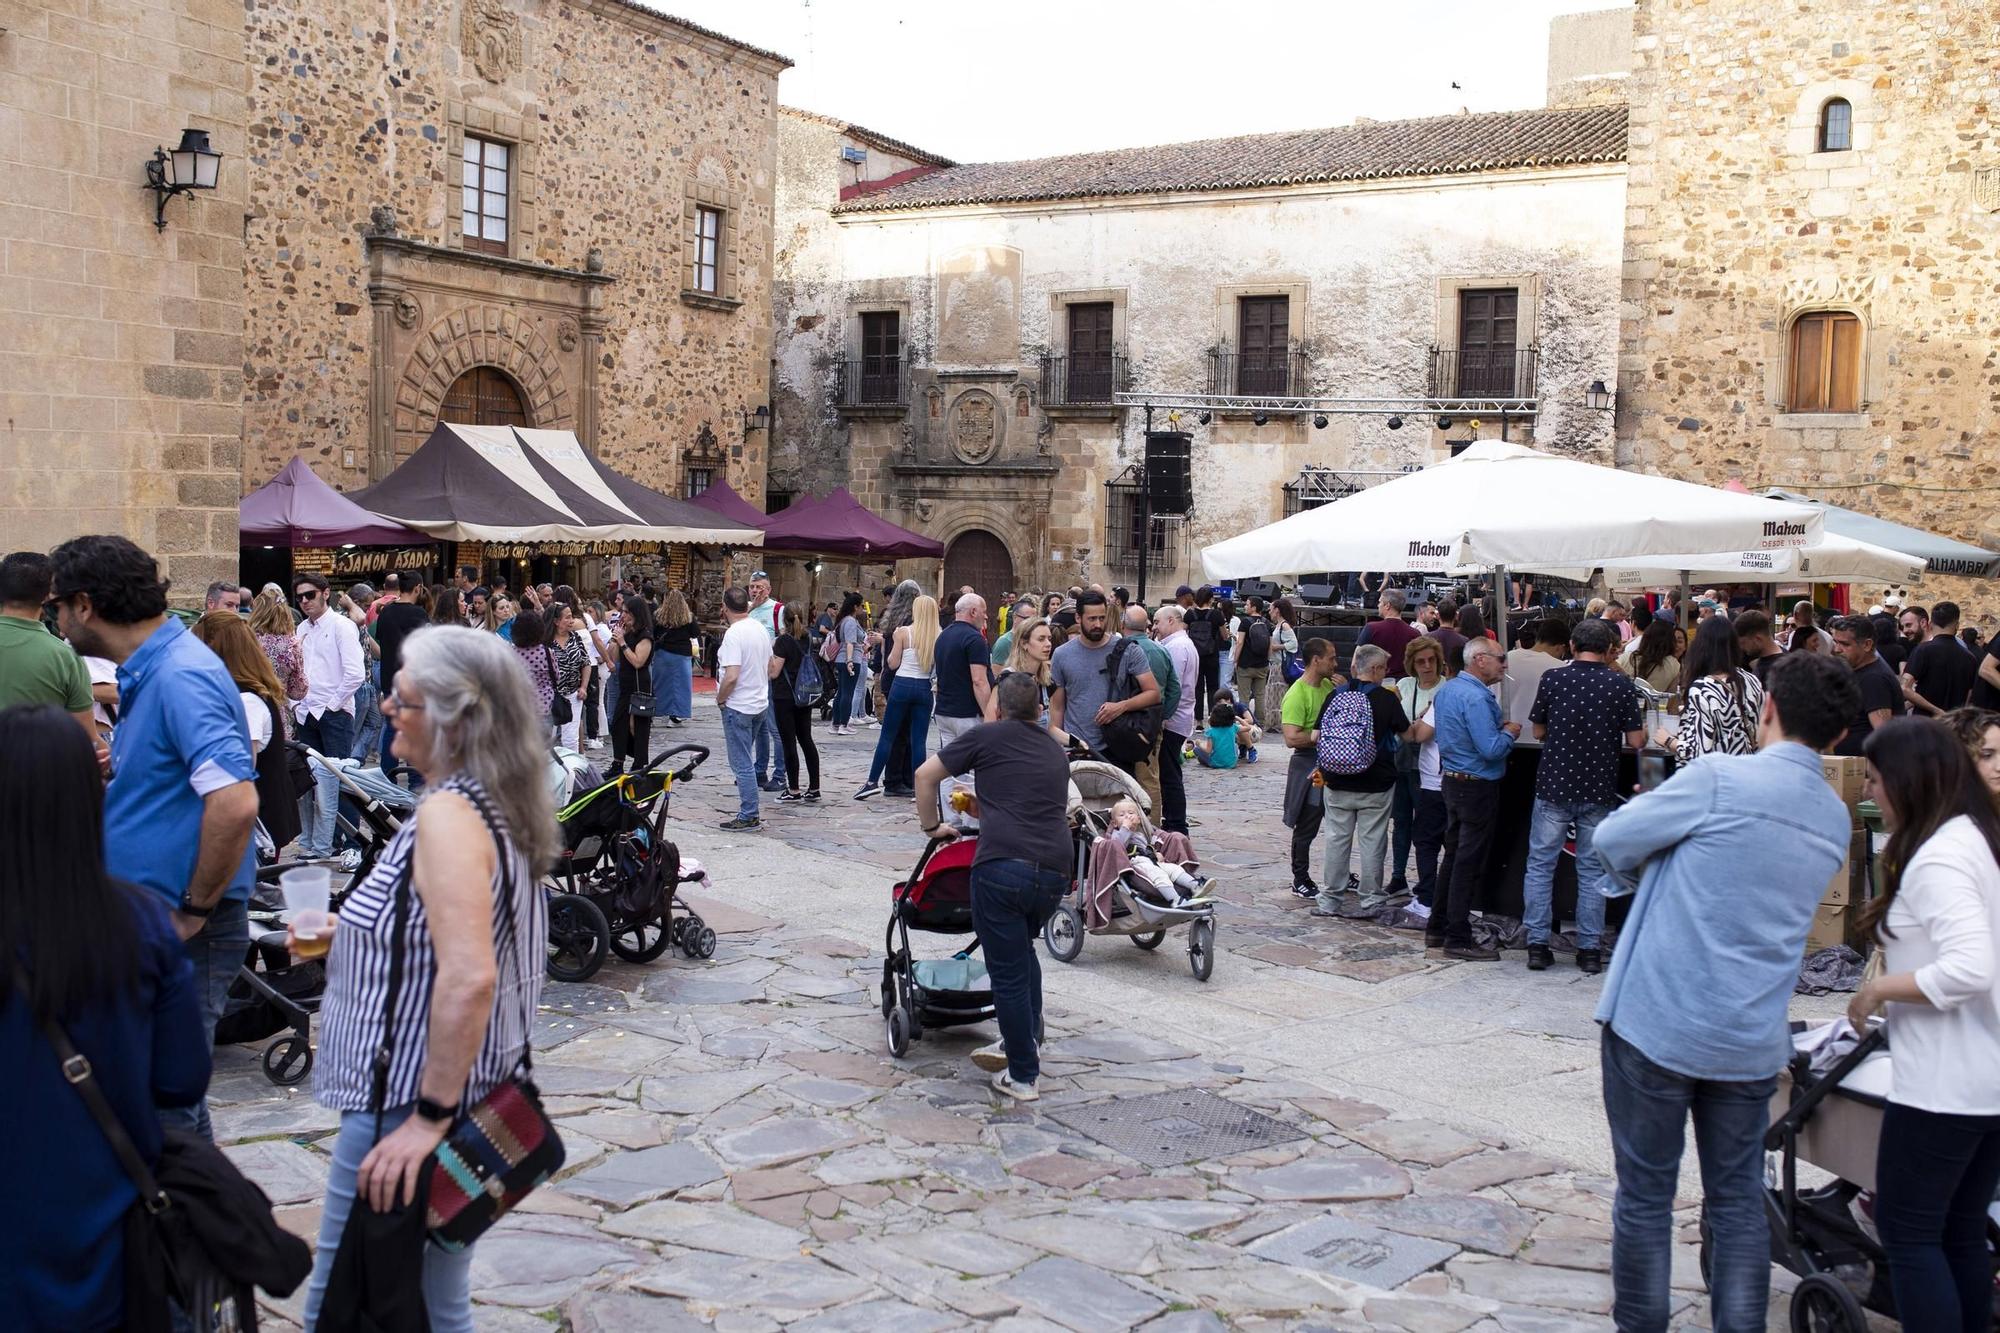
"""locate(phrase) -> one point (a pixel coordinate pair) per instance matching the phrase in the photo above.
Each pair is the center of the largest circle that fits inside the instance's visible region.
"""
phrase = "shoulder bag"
(496, 1152)
(560, 712)
(1129, 738)
(200, 1235)
(642, 702)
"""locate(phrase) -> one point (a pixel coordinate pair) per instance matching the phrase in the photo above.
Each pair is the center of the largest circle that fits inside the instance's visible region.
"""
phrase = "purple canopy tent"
(296, 508)
(842, 525)
(721, 498)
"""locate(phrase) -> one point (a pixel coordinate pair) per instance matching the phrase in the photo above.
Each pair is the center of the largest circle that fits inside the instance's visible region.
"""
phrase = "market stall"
(296, 521)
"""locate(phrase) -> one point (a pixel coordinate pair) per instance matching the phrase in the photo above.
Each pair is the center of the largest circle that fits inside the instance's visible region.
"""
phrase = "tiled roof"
(1378, 150)
(654, 11)
(862, 132)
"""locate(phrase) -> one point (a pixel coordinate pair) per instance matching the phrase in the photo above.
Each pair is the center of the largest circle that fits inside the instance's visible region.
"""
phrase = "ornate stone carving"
(907, 436)
(566, 335)
(1021, 401)
(934, 400)
(490, 36)
(926, 510)
(593, 260)
(476, 335)
(408, 312)
(1819, 289)
(381, 220)
(975, 426)
(1045, 438)
(1986, 188)
(1024, 513)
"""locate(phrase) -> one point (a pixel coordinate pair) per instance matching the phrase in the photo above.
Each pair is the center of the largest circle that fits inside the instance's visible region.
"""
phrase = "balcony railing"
(875, 382)
(1125, 522)
(1257, 374)
(1478, 372)
(1082, 381)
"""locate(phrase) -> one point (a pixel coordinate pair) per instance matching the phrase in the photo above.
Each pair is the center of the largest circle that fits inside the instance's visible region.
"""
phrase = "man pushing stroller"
(1021, 869)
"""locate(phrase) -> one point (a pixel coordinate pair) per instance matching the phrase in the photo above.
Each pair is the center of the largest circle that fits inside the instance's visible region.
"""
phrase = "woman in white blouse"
(1937, 917)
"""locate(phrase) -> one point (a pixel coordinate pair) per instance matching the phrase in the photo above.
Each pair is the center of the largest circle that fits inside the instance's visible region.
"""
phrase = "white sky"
(979, 81)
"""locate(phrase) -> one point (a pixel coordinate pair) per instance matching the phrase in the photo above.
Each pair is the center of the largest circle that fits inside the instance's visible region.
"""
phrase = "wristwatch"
(434, 1112)
(188, 907)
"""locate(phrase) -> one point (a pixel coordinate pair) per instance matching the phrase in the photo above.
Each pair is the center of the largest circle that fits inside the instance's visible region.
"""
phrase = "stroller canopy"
(1097, 786)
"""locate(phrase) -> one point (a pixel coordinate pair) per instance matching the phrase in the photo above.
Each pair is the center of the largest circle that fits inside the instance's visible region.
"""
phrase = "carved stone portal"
(975, 426)
(490, 36)
(408, 312)
(1986, 188)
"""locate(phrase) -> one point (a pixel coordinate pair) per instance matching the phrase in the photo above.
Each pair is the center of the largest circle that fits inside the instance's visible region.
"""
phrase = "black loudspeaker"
(1169, 471)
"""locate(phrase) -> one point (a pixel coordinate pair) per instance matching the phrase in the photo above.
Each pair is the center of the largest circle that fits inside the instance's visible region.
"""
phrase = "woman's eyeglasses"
(394, 703)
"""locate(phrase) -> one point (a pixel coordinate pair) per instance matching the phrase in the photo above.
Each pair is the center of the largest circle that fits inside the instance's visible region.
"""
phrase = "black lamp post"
(193, 165)
(1597, 397)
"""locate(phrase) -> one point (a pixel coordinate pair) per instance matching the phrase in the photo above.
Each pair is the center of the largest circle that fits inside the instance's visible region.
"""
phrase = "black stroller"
(615, 886)
(949, 992)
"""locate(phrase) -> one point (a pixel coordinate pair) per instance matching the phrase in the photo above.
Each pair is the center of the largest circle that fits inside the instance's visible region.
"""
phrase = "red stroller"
(949, 992)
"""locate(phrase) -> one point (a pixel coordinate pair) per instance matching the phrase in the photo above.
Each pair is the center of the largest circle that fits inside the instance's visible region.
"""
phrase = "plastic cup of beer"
(308, 890)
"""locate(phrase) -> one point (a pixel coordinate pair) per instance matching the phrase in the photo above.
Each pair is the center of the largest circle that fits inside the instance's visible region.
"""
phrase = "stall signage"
(383, 559)
(1780, 532)
(1758, 560)
(1431, 556)
(526, 550)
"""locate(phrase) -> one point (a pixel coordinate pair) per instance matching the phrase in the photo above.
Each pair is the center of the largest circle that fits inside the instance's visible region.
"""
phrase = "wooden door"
(1486, 341)
(484, 396)
(980, 559)
(1262, 343)
(881, 356)
(1089, 372)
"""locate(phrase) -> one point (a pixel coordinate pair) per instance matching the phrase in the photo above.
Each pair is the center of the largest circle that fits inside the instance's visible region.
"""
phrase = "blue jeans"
(217, 952)
(447, 1276)
(1551, 821)
(1010, 901)
(739, 731)
(844, 693)
(675, 684)
(770, 749)
(909, 706)
(1937, 1173)
(332, 735)
(368, 719)
(1647, 1108)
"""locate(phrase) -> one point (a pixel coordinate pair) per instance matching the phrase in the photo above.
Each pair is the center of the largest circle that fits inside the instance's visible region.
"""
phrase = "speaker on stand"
(1169, 471)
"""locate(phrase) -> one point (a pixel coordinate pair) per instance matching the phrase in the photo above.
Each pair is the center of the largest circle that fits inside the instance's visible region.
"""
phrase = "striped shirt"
(357, 977)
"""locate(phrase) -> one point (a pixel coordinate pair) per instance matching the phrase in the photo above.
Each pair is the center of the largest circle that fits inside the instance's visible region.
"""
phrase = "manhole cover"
(1174, 1128)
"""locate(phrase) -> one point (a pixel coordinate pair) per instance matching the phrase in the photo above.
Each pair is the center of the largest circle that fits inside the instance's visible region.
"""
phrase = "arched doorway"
(484, 396)
(978, 558)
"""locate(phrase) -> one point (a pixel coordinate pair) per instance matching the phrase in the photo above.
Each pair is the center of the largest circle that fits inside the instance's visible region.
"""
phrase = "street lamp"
(192, 165)
(758, 420)
(1597, 397)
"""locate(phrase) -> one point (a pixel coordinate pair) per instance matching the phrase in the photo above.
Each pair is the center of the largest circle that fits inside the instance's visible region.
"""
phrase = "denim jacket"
(1730, 858)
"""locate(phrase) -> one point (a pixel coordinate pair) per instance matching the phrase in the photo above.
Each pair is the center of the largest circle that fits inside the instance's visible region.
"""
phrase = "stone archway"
(477, 336)
(978, 558)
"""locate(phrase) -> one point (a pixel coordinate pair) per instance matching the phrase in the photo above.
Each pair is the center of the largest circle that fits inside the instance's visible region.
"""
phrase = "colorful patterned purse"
(499, 1150)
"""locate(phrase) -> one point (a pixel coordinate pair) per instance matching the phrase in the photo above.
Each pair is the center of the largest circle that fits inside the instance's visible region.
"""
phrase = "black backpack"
(1129, 737)
(1201, 631)
(1256, 650)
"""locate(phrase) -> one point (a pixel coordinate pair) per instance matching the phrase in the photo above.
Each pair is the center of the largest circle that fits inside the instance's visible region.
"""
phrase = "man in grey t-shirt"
(1081, 671)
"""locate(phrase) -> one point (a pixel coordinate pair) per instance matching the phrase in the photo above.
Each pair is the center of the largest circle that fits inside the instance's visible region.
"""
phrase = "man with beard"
(1085, 670)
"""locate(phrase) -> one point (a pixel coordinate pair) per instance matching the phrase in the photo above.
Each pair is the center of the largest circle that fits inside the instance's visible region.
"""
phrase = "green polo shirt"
(38, 668)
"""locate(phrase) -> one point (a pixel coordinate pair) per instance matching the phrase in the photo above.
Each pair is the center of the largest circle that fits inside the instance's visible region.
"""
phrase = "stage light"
(1444, 423)
(1319, 421)
(1204, 417)
(1259, 420)
(1395, 423)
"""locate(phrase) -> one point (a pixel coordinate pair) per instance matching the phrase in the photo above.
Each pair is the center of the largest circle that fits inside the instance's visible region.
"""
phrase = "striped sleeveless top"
(357, 976)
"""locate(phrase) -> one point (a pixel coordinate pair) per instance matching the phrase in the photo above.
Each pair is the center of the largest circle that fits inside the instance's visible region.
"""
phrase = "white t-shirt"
(747, 648)
(258, 714)
(103, 671)
(1525, 669)
(1430, 769)
(1946, 929)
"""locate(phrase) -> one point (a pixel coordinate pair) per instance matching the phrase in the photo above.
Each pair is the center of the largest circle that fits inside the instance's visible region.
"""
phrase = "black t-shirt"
(1023, 792)
(632, 679)
(790, 652)
(1879, 689)
(1389, 721)
(1984, 695)
(393, 624)
(960, 648)
(1762, 666)
(1894, 652)
(1944, 670)
(678, 640)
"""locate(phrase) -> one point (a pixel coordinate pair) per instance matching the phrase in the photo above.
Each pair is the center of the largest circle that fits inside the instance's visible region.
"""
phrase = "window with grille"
(483, 195)
(699, 479)
(708, 251)
(1836, 126)
(1825, 368)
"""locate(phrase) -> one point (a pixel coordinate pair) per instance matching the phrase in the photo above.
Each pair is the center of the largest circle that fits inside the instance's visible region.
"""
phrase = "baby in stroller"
(1170, 880)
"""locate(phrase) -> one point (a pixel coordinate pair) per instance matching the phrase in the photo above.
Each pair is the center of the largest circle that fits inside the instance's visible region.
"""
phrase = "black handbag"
(200, 1235)
(560, 712)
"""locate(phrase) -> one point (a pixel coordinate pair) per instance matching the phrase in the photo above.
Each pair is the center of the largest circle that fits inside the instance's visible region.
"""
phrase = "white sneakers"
(1003, 1083)
(991, 1058)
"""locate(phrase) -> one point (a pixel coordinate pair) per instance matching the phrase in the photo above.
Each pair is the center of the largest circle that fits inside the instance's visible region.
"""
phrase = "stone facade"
(121, 383)
(1374, 271)
(1737, 224)
(365, 301)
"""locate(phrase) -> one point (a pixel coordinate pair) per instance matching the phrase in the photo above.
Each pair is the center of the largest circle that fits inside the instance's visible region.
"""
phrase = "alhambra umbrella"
(1941, 555)
(842, 525)
(296, 508)
(1836, 559)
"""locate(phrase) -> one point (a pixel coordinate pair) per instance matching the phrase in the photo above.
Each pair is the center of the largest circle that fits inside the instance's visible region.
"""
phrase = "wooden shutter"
(1487, 340)
(1089, 372)
(881, 355)
(1825, 371)
(1263, 338)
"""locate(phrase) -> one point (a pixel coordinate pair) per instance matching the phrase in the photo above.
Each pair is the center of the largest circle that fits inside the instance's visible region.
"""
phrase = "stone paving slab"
(1354, 1251)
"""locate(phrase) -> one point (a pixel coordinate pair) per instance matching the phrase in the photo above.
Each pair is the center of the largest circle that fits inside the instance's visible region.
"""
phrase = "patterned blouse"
(286, 660)
(571, 659)
(537, 660)
(1715, 721)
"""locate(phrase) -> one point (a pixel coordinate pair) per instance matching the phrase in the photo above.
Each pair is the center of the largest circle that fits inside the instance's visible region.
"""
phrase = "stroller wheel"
(899, 1033)
(1062, 934)
(579, 937)
(641, 941)
(1150, 941)
(698, 942)
(1201, 949)
(288, 1060)
(1823, 1304)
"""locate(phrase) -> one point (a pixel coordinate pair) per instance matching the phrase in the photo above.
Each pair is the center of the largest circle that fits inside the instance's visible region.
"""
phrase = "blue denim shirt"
(1469, 738)
(1730, 858)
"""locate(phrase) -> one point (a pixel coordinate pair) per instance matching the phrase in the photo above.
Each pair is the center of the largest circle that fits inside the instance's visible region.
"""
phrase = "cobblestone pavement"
(1416, 1145)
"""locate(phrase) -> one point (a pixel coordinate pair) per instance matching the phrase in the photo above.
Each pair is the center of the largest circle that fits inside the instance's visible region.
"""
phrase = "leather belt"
(1465, 777)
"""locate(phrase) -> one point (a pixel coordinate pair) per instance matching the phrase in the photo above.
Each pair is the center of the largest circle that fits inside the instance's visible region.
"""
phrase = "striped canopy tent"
(509, 483)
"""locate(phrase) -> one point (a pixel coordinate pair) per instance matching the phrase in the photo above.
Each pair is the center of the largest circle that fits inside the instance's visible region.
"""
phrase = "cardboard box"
(1848, 884)
(1832, 925)
(1846, 774)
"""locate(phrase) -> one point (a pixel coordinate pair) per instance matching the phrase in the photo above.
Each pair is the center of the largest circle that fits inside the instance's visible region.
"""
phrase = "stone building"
(507, 212)
(121, 386)
(1812, 245)
(950, 342)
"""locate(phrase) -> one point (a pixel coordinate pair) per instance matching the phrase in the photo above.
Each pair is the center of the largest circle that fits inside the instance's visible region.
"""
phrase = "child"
(1229, 739)
(1174, 884)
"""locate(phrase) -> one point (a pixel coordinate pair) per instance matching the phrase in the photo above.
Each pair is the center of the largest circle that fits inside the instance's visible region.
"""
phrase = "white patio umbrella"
(1507, 505)
(1836, 559)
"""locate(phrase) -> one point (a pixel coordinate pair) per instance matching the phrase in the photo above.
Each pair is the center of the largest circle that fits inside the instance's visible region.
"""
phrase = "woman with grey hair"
(452, 908)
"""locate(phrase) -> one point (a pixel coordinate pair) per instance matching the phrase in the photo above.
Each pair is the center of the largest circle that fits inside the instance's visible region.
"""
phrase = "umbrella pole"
(1686, 606)
(1500, 623)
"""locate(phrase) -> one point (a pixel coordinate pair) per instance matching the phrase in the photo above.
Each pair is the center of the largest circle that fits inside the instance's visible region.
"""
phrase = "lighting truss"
(1277, 405)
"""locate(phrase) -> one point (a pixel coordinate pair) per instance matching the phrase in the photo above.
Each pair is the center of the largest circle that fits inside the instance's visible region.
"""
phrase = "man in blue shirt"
(182, 799)
(1473, 745)
(1730, 858)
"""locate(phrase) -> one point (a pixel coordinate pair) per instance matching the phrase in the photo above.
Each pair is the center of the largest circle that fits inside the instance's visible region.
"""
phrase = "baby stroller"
(1100, 903)
(271, 992)
(948, 992)
(615, 885)
(1832, 1120)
